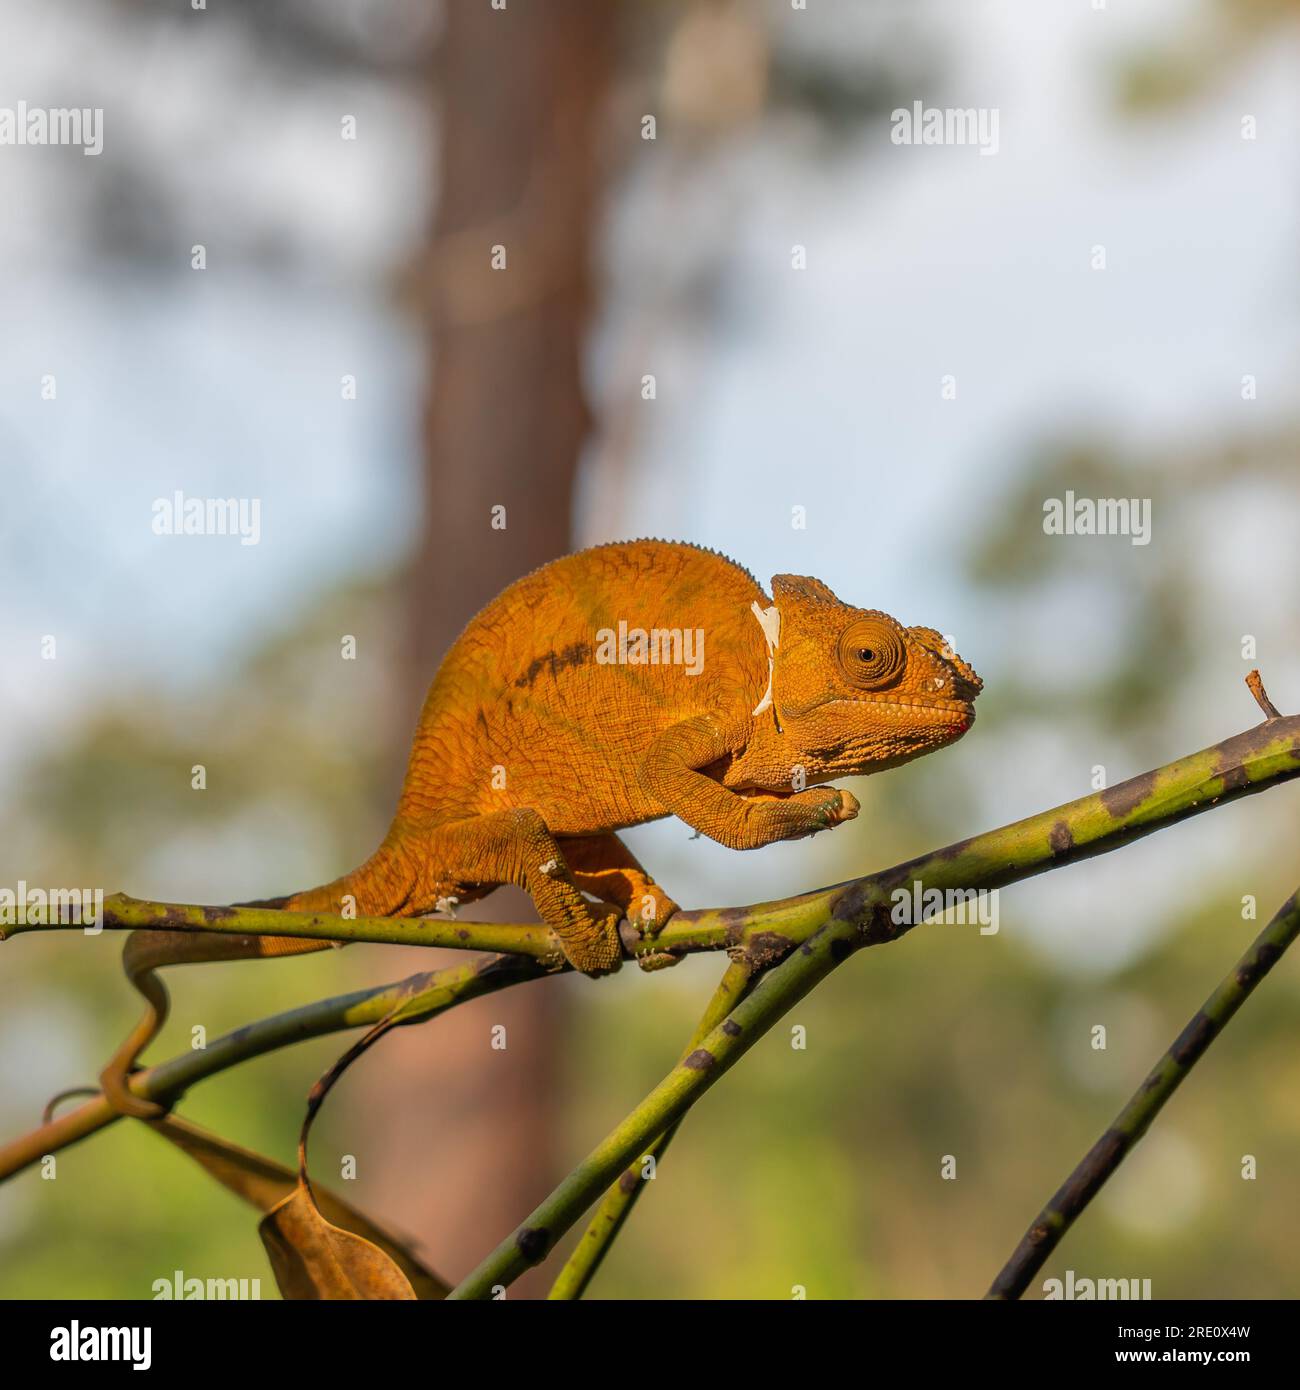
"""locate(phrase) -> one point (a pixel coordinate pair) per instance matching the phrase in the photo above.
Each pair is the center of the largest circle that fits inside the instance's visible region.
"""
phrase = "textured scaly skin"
(530, 752)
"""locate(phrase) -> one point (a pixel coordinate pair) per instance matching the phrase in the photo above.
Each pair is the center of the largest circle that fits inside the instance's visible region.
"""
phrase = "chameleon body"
(634, 681)
(609, 688)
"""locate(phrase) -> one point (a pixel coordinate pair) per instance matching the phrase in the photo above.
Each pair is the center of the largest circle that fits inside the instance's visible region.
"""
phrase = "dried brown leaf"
(312, 1259)
(265, 1184)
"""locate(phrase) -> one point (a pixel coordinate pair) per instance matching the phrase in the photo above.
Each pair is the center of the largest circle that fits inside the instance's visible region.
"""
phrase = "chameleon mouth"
(963, 709)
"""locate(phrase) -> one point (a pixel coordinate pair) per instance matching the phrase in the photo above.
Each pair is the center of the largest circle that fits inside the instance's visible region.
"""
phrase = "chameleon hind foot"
(515, 846)
(593, 945)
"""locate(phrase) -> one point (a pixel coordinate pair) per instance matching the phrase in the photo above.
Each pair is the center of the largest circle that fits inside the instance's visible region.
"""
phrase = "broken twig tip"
(1256, 684)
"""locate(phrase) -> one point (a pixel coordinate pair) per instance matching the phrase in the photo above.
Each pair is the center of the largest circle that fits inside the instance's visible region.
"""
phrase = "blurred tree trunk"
(471, 1130)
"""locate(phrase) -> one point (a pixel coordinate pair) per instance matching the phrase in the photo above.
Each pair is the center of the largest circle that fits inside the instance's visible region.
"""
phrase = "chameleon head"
(855, 691)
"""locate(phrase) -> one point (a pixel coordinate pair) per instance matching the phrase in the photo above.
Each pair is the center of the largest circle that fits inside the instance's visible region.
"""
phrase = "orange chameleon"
(542, 734)
(616, 686)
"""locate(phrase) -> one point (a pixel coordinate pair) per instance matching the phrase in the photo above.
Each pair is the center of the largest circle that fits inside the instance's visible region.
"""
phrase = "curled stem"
(419, 997)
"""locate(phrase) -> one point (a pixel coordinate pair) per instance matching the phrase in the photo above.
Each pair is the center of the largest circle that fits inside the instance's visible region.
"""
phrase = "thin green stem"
(123, 913)
(777, 992)
(622, 1196)
(1105, 1156)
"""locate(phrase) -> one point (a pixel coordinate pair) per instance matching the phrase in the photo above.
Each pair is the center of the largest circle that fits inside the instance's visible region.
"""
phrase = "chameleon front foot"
(648, 914)
(656, 960)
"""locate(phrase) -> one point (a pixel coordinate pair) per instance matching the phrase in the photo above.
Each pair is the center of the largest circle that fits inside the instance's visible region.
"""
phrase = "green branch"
(417, 998)
(123, 913)
(863, 912)
(777, 992)
(1105, 1156)
(621, 1198)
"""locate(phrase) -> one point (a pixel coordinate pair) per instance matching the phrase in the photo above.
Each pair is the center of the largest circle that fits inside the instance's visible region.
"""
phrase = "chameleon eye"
(870, 653)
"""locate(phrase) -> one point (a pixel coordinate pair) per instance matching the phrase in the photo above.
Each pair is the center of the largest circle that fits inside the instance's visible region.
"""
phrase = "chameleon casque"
(544, 734)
